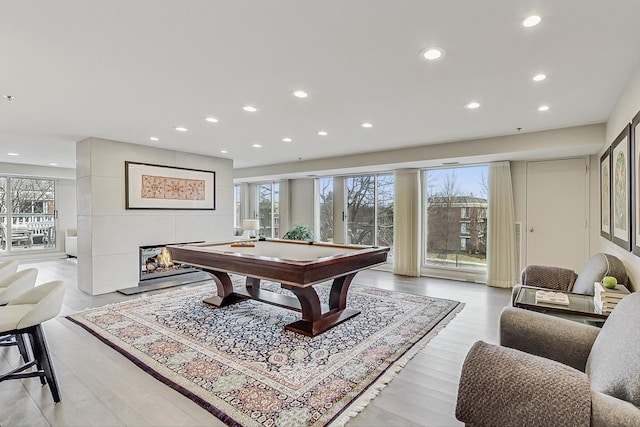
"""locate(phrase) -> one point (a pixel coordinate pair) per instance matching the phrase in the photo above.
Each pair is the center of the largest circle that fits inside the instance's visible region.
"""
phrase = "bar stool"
(24, 315)
(7, 268)
(10, 287)
(13, 285)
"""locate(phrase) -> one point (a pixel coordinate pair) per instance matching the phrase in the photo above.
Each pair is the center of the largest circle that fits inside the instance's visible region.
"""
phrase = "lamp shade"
(250, 224)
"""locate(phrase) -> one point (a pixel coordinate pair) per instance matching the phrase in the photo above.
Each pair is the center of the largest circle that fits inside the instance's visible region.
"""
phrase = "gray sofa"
(549, 371)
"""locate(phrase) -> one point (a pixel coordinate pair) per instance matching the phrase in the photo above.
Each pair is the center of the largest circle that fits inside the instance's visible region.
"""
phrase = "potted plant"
(299, 232)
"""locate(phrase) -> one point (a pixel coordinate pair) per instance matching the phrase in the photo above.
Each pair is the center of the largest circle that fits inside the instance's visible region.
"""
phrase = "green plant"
(299, 232)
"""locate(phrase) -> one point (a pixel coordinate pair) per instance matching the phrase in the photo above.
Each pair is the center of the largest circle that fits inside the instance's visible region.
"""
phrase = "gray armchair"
(549, 371)
(566, 280)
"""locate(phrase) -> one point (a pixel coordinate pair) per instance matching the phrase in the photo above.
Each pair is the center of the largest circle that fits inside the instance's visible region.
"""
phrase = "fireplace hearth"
(158, 271)
(156, 262)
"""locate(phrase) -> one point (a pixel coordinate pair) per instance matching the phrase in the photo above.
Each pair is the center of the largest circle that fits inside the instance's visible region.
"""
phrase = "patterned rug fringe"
(360, 403)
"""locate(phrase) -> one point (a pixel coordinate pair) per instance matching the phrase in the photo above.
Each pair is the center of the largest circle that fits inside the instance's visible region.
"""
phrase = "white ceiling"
(128, 70)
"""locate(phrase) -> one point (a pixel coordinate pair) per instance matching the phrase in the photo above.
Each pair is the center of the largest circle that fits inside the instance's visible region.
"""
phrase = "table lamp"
(250, 227)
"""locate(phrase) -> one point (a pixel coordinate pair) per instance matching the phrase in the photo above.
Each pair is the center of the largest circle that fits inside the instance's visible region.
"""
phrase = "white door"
(557, 211)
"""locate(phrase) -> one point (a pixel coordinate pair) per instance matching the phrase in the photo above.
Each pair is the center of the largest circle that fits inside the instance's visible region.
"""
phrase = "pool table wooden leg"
(225, 296)
(339, 289)
(313, 321)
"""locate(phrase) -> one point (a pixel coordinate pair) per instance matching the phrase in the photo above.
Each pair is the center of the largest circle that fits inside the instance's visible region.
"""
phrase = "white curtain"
(406, 223)
(501, 236)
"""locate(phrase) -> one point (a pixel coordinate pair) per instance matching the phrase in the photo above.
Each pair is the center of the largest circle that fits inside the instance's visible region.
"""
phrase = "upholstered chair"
(7, 268)
(549, 371)
(17, 283)
(24, 315)
(71, 242)
(566, 280)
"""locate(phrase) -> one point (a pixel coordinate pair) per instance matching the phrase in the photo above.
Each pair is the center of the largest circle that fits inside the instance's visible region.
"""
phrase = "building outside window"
(455, 217)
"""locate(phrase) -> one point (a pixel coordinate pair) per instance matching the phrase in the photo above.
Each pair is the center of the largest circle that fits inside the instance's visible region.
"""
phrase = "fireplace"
(156, 262)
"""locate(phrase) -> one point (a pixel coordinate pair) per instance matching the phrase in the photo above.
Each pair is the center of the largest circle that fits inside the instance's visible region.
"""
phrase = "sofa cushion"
(599, 265)
(613, 366)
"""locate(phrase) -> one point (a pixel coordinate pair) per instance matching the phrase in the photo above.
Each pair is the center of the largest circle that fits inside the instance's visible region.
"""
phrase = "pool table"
(295, 265)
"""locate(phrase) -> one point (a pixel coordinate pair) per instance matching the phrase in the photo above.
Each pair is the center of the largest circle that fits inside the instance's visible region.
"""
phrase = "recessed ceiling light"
(9, 97)
(322, 133)
(287, 139)
(300, 94)
(539, 77)
(366, 125)
(154, 138)
(432, 53)
(13, 154)
(224, 151)
(211, 120)
(53, 164)
(543, 108)
(180, 129)
(249, 108)
(257, 146)
(531, 21)
(473, 105)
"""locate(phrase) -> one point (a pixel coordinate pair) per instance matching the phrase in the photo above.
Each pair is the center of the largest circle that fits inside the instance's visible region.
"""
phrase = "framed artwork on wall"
(150, 186)
(635, 182)
(605, 194)
(621, 190)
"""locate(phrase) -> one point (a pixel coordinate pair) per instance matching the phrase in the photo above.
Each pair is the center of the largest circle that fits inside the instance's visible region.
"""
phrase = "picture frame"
(149, 186)
(605, 194)
(621, 189)
(634, 130)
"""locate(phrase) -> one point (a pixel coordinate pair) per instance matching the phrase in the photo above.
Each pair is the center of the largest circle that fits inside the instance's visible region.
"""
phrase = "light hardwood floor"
(100, 387)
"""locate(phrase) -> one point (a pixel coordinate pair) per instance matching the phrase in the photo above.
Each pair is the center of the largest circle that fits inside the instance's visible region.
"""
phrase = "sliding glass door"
(456, 218)
(27, 214)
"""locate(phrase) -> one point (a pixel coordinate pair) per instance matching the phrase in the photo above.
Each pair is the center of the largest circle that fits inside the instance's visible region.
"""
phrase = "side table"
(580, 308)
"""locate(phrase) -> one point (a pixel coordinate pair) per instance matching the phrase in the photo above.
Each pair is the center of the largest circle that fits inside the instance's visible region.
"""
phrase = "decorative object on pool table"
(243, 245)
(299, 232)
(240, 364)
(150, 186)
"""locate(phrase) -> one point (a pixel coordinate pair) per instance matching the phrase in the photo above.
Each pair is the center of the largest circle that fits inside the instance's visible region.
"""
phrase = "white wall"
(626, 108)
(109, 236)
(557, 143)
(66, 206)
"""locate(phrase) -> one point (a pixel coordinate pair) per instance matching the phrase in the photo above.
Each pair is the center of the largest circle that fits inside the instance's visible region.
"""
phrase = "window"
(269, 209)
(324, 209)
(237, 215)
(455, 217)
(27, 213)
(464, 228)
(370, 209)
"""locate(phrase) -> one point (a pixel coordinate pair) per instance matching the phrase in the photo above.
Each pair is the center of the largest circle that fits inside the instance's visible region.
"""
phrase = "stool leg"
(22, 347)
(37, 357)
(45, 360)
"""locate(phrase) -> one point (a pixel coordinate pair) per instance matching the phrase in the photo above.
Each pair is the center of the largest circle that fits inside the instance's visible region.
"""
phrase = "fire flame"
(164, 258)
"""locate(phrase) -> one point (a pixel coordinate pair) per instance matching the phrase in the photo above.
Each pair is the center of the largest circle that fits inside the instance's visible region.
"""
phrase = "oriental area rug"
(240, 364)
